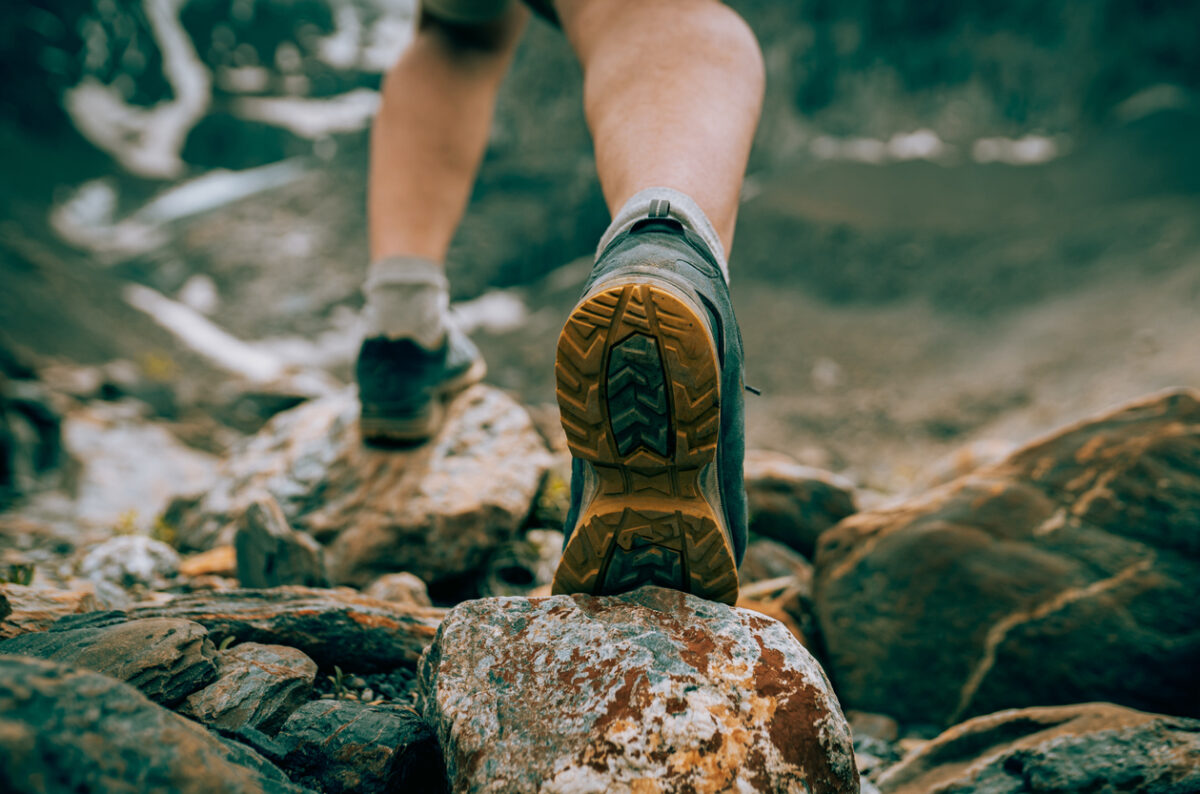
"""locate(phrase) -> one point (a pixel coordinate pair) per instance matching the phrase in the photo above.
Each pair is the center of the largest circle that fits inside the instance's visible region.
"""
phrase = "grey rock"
(1089, 747)
(400, 588)
(1067, 573)
(332, 627)
(270, 553)
(768, 559)
(793, 503)
(63, 729)
(438, 510)
(601, 694)
(257, 686)
(112, 443)
(130, 560)
(167, 659)
(346, 746)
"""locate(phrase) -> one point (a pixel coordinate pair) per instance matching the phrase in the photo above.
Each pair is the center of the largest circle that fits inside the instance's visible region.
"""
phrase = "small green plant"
(18, 573)
(126, 523)
(225, 643)
(338, 679)
(162, 531)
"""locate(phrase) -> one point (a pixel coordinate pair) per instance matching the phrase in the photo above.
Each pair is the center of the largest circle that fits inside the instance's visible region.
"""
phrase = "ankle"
(407, 298)
(665, 202)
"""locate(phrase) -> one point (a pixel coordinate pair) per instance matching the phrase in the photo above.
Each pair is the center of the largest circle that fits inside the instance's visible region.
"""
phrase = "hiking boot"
(650, 390)
(404, 388)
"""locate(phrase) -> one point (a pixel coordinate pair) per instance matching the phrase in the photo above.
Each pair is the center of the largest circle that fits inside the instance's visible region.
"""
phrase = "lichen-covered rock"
(652, 690)
(1067, 573)
(332, 626)
(257, 686)
(166, 659)
(1089, 747)
(270, 553)
(24, 608)
(63, 729)
(437, 510)
(793, 503)
(345, 746)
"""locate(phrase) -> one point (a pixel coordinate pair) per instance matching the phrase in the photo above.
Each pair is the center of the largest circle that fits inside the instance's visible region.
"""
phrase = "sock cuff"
(671, 203)
(405, 270)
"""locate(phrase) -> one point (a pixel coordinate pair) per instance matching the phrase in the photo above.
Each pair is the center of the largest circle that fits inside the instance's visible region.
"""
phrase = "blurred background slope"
(963, 221)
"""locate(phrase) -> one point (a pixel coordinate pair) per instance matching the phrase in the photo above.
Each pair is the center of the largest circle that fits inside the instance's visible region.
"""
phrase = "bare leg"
(672, 91)
(432, 130)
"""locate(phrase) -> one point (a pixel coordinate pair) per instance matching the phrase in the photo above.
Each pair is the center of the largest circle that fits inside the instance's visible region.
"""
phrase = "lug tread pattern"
(639, 396)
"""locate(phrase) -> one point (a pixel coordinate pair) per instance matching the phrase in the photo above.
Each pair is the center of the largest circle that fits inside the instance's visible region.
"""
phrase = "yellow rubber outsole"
(638, 386)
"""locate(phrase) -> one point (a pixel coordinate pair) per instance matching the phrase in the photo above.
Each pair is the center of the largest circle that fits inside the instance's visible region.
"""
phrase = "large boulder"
(1087, 747)
(1068, 572)
(167, 659)
(72, 730)
(437, 510)
(652, 690)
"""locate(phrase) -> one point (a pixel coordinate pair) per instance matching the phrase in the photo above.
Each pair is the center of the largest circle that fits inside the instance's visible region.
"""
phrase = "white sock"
(671, 203)
(407, 297)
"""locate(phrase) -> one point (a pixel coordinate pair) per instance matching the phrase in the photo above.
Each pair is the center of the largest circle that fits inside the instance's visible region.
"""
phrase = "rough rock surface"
(257, 686)
(653, 690)
(270, 553)
(332, 626)
(1069, 572)
(793, 503)
(436, 510)
(166, 659)
(72, 730)
(1094, 747)
(345, 746)
(24, 609)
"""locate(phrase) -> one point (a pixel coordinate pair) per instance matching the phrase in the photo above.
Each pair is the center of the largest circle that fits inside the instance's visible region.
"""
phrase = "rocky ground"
(304, 613)
(968, 274)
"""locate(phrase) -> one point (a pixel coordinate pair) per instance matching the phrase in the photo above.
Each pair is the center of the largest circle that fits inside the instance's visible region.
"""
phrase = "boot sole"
(638, 386)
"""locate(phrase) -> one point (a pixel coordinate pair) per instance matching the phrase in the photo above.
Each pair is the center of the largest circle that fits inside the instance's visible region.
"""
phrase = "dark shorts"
(468, 11)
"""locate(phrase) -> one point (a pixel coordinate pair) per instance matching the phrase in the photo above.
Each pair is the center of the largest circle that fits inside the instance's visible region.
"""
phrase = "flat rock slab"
(331, 626)
(1068, 573)
(652, 690)
(437, 510)
(258, 686)
(346, 746)
(24, 609)
(63, 729)
(166, 658)
(1089, 747)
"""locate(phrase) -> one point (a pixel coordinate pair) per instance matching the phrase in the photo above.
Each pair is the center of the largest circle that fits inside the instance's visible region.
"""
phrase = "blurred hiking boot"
(414, 359)
(650, 391)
